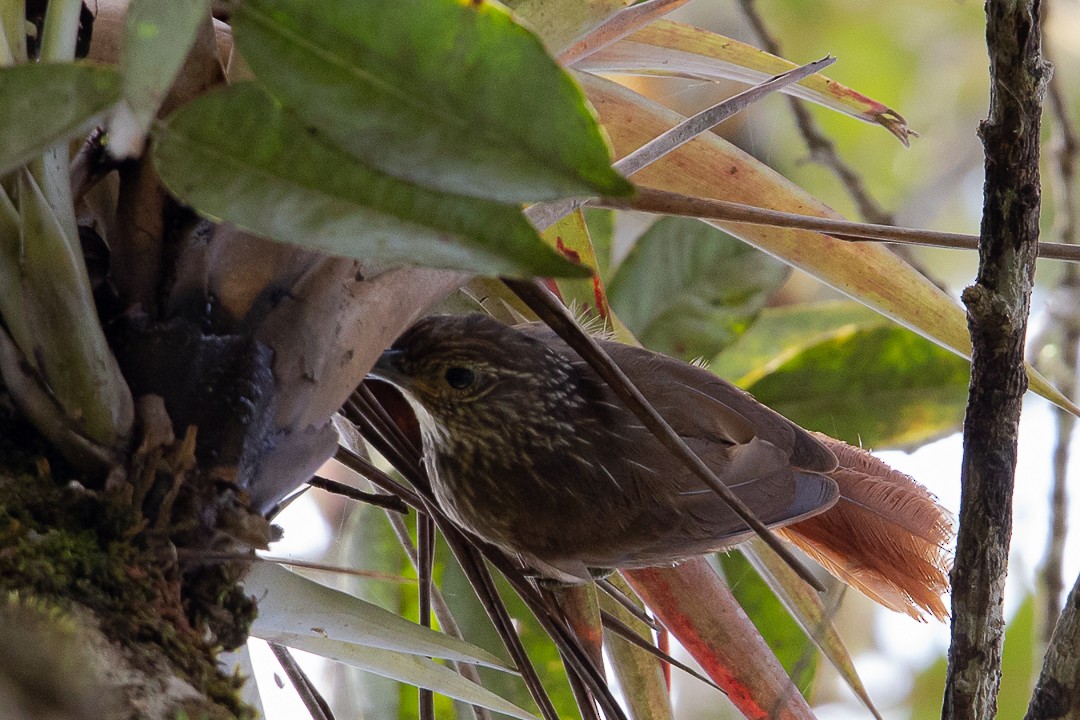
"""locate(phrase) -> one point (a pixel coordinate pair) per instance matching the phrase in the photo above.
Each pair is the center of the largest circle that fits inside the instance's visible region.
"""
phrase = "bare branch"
(997, 308)
(1065, 149)
(669, 203)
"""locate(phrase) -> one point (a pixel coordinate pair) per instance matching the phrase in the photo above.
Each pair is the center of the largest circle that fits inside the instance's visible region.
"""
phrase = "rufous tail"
(886, 535)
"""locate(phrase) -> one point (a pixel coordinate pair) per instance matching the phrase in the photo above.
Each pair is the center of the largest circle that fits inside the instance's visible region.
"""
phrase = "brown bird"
(528, 448)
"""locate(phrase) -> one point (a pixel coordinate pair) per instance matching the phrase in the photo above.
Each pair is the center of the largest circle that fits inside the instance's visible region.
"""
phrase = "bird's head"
(472, 377)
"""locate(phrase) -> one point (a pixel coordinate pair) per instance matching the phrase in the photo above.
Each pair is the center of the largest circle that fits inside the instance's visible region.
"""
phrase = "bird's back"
(666, 512)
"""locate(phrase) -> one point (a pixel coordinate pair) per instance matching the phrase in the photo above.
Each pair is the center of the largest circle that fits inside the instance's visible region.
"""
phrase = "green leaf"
(688, 289)
(450, 95)
(783, 330)
(47, 304)
(785, 638)
(157, 38)
(877, 386)
(43, 104)
(238, 156)
(601, 224)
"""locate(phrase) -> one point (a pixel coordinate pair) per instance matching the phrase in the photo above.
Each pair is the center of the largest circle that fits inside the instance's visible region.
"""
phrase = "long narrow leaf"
(672, 49)
(291, 606)
(157, 37)
(59, 322)
(713, 168)
(807, 609)
(561, 22)
(698, 609)
(412, 669)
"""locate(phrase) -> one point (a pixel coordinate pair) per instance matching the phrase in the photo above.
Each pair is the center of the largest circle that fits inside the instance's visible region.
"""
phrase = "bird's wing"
(698, 404)
(675, 515)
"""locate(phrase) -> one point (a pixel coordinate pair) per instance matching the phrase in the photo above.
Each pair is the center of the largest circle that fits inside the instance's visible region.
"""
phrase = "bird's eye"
(460, 378)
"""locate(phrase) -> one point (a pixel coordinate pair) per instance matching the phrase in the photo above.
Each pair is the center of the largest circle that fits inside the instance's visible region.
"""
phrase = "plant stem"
(12, 32)
(60, 31)
(997, 308)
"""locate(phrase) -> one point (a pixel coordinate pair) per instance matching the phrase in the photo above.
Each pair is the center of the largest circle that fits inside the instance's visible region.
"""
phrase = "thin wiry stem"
(425, 535)
(314, 702)
(669, 203)
(389, 502)
(822, 149)
(1065, 149)
(374, 425)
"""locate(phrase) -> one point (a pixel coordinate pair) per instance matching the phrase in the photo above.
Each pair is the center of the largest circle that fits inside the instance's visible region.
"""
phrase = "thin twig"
(670, 203)
(627, 604)
(1065, 149)
(822, 149)
(559, 319)
(544, 215)
(383, 500)
(627, 633)
(315, 703)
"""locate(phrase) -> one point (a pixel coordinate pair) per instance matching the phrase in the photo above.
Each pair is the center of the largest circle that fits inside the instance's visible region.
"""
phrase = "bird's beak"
(388, 368)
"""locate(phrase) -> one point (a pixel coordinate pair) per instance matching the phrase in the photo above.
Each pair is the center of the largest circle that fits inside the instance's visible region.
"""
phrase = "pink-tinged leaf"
(696, 606)
(809, 611)
(561, 23)
(673, 49)
(570, 237)
(617, 27)
(711, 167)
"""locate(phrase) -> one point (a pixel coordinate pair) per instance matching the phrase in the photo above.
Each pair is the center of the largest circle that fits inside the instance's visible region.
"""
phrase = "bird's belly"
(573, 521)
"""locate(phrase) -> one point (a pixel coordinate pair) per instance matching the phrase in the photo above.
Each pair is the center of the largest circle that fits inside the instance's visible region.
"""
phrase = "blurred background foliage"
(826, 362)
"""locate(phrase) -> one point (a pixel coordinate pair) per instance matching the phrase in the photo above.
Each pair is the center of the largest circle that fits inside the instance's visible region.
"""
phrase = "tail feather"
(886, 536)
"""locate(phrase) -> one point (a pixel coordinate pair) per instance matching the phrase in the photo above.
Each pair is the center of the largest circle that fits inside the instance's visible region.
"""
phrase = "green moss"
(64, 545)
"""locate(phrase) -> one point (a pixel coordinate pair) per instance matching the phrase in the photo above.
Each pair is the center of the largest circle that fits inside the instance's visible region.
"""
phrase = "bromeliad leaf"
(449, 95)
(157, 37)
(790, 644)
(670, 49)
(879, 386)
(784, 331)
(807, 609)
(239, 156)
(291, 607)
(688, 289)
(412, 669)
(43, 104)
